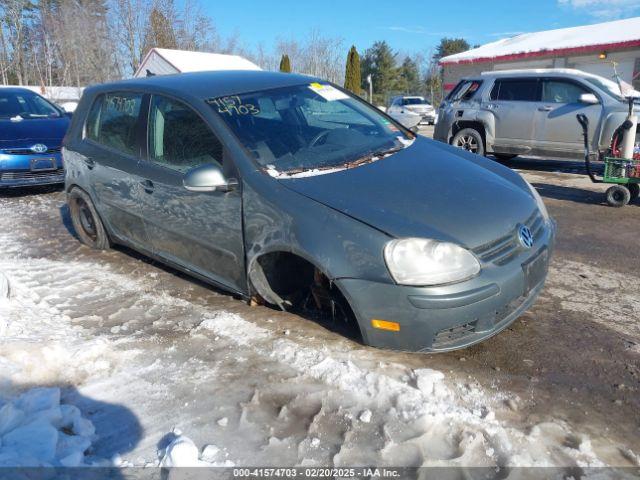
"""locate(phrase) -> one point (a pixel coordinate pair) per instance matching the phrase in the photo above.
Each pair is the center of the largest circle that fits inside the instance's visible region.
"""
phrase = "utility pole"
(370, 82)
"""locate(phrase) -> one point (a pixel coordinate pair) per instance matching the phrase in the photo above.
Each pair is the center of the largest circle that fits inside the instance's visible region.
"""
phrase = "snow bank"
(36, 430)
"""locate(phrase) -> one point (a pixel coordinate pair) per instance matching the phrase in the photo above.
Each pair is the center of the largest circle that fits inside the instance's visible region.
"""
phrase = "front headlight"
(421, 262)
(541, 206)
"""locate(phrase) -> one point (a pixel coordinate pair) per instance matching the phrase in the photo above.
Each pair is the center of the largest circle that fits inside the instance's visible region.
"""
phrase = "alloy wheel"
(468, 142)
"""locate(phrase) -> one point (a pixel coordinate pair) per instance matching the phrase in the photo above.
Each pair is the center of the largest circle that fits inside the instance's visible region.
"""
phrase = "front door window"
(179, 139)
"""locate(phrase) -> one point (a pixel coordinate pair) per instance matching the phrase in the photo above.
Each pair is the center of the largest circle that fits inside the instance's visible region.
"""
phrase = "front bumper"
(428, 117)
(30, 170)
(436, 319)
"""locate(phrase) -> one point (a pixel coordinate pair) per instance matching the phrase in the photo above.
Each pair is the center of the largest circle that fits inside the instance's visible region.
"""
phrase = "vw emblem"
(525, 236)
(39, 148)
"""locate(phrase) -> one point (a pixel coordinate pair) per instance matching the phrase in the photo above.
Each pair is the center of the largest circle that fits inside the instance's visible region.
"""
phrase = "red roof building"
(592, 48)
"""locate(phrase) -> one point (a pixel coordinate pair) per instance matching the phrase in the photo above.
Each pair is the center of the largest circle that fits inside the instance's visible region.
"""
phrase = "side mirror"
(208, 178)
(589, 99)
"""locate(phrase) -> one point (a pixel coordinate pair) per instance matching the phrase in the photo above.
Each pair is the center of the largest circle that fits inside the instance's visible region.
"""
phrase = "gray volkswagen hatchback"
(288, 190)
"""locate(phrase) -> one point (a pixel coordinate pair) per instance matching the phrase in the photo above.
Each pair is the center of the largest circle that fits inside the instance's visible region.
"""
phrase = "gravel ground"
(142, 350)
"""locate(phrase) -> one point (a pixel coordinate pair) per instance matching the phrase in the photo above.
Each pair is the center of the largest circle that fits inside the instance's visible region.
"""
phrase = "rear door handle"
(147, 185)
(545, 109)
(89, 162)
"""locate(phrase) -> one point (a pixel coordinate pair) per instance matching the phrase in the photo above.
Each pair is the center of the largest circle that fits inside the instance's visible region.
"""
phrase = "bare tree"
(128, 20)
(15, 15)
(324, 57)
(319, 56)
(79, 42)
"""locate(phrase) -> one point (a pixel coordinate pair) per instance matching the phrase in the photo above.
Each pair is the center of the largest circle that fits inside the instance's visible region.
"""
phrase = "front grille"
(505, 249)
(27, 175)
(28, 151)
(453, 335)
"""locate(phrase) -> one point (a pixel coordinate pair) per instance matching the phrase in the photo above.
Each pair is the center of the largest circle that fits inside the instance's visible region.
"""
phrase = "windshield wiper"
(369, 157)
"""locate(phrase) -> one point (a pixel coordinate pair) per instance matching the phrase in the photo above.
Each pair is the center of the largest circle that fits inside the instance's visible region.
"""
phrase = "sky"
(409, 27)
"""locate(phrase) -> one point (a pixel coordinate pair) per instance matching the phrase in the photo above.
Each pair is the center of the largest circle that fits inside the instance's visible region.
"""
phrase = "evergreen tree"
(380, 62)
(450, 46)
(285, 64)
(409, 77)
(352, 77)
(160, 32)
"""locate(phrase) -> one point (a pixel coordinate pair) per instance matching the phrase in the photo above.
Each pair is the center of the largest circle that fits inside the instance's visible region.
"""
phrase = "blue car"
(31, 132)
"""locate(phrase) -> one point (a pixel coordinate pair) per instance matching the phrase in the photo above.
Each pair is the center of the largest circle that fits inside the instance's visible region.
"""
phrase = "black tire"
(86, 221)
(469, 139)
(503, 157)
(634, 190)
(618, 196)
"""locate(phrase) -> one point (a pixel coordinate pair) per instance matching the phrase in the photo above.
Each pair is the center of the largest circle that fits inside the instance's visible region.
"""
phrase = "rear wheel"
(469, 139)
(634, 190)
(618, 196)
(86, 220)
(503, 157)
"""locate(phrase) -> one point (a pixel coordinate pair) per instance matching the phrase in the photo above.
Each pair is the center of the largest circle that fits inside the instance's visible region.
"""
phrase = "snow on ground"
(36, 430)
(144, 360)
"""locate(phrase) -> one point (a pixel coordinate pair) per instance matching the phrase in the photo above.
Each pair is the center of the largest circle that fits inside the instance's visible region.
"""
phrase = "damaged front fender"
(281, 225)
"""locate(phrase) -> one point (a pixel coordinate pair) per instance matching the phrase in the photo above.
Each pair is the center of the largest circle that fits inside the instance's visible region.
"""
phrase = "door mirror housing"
(208, 178)
(589, 99)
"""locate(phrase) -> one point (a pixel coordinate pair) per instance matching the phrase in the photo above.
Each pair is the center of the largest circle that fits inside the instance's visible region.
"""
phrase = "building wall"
(628, 66)
(156, 65)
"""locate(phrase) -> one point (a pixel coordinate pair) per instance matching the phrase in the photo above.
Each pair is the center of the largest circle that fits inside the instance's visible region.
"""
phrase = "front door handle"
(147, 185)
(89, 162)
(545, 109)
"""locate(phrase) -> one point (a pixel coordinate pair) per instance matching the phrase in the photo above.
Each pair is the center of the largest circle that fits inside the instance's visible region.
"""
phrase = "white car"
(413, 104)
(408, 120)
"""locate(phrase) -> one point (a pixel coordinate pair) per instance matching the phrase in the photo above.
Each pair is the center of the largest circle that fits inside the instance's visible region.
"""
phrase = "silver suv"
(530, 112)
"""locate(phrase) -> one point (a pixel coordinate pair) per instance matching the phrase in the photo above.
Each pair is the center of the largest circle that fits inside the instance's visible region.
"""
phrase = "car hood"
(428, 190)
(29, 131)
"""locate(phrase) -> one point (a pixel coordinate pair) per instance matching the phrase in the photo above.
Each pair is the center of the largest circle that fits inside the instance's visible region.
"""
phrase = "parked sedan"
(288, 190)
(31, 132)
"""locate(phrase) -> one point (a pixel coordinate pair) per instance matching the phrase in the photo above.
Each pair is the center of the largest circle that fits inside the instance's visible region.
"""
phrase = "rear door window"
(113, 121)
(465, 90)
(561, 91)
(516, 90)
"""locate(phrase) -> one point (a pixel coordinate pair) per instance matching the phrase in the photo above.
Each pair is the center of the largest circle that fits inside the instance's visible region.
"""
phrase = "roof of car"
(211, 84)
(16, 89)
